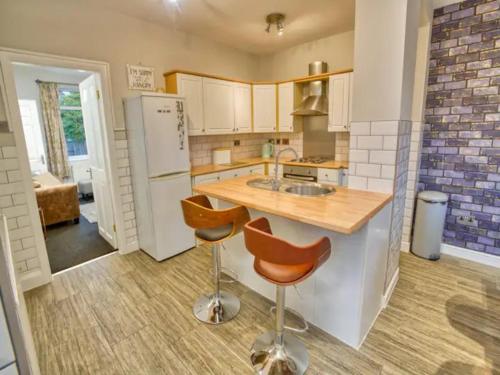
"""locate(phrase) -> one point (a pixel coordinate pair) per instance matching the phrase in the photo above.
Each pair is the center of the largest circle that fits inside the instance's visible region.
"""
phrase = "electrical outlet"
(471, 221)
(236, 142)
(278, 141)
(285, 141)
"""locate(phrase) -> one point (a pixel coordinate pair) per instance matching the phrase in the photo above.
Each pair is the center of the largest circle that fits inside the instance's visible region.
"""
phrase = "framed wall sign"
(140, 78)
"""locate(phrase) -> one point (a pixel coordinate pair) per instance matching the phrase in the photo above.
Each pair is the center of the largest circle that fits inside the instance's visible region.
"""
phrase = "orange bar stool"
(213, 227)
(282, 264)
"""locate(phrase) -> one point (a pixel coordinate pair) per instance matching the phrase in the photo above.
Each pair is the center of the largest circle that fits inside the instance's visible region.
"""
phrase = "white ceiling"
(241, 23)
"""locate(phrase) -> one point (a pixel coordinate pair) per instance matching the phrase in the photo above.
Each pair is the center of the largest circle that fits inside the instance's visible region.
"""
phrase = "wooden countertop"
(345, 211)
(213, 168)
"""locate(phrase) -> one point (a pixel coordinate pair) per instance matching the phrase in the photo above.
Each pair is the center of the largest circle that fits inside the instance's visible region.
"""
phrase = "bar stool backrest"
(199, 214)
(260, 241)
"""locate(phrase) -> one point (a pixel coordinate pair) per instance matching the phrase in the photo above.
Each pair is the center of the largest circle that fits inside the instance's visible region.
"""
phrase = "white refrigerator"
(160, 169)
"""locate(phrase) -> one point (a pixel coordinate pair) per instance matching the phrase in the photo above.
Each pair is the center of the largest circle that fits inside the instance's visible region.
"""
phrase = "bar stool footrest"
(232, 274)
(305, 325)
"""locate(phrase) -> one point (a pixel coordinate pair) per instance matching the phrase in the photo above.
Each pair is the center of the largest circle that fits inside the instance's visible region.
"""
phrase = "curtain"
(57, 153)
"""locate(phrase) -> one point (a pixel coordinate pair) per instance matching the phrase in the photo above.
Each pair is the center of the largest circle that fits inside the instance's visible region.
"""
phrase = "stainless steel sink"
(290, 186)
(310, 190)
(261, 183)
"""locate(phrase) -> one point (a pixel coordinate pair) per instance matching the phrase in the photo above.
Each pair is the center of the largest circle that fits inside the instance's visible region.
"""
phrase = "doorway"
(63, 127)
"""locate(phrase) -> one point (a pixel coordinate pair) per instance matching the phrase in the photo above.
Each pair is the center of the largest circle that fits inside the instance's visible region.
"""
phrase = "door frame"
(8, 56)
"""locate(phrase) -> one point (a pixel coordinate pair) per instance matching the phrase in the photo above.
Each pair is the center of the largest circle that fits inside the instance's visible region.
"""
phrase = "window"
(72, 120)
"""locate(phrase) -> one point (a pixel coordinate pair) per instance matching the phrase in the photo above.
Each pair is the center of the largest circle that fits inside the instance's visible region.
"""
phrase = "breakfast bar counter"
(345, 211)
(346, 294)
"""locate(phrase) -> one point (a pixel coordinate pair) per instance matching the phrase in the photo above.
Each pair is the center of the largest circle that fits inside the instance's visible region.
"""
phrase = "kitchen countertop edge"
(214, 168)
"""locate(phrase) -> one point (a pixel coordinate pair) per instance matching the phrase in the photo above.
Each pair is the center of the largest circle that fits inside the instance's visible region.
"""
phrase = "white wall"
(337, 50)
(77, 29)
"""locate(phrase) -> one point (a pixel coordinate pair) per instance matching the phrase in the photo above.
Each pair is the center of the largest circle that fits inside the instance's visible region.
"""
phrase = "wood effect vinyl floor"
(131, 315)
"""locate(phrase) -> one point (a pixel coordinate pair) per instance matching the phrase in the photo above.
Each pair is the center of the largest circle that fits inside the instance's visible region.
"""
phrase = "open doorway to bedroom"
(62, 122)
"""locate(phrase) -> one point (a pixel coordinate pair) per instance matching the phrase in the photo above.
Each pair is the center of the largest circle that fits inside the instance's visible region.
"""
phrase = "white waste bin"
(429, 224)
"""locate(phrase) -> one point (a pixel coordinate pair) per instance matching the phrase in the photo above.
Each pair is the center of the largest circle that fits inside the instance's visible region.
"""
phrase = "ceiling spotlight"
(275, 19)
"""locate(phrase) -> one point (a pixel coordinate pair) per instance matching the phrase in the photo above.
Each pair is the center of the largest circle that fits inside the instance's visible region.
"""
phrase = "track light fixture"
(275, 19)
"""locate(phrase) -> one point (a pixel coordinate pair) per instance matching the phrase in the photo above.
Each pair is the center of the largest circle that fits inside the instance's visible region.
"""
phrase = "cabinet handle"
(203, 130)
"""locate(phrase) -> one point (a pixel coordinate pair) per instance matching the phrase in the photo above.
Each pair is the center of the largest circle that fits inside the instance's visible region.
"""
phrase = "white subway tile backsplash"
(360, 128)
(380, 185)
(368, 170)
(388, 171)
(384, 128)
(383, 157)
(370, 142)
(356, 182)
(358, 156)
(390, 142)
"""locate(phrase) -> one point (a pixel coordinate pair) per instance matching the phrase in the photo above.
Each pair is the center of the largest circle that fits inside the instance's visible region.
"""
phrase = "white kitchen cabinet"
(257, 169)
(191, 87)
(218, 106)
(331, 176)
(339, 102)
(285, 107)
(242, 108)
(206, 179)
(232, 173)
(264, 108)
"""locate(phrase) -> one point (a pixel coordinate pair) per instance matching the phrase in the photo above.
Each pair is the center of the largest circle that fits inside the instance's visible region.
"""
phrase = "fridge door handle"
(165, 176)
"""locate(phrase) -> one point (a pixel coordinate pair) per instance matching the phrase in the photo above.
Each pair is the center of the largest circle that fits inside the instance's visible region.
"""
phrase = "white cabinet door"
(256, 169)
(218, 106)
(351, 86)
(205, 178)
(243, 107)
(232, 173)
(191, 87)
(285, 107)
(328, 176)
(264, 108)
(338, 102)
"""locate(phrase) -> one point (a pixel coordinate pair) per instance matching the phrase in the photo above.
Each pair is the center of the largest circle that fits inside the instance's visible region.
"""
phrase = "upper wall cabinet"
(191, 87)
(288, 99)
(243, 107)
(264, 108)
(339, 106)
(218, 106)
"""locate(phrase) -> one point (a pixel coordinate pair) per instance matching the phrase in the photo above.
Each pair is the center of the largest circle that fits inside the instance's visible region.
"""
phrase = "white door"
(285, 107)
(264, 108)
(33, 135)
(94, 135)
(338, 102)
(243, 107)
(172, 235)
(166, 142)
(191, 88)
(218, 106)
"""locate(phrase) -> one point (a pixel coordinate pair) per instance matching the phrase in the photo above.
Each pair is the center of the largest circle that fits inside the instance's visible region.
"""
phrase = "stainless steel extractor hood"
(316, 101)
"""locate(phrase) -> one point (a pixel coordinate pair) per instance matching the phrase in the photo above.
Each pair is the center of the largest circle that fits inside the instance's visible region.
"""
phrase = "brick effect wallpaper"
(461, 145)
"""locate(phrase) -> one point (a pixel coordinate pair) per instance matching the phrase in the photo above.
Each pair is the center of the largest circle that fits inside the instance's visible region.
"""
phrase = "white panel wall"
(13, 205)
(126, 194)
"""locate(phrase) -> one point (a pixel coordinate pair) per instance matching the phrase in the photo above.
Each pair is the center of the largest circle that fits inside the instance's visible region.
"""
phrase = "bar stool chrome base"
(268, 358)
(211, 310)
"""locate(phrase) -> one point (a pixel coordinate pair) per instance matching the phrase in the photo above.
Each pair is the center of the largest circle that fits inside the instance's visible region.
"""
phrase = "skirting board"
(474, 256)
(390, 289)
